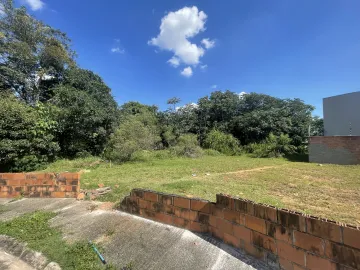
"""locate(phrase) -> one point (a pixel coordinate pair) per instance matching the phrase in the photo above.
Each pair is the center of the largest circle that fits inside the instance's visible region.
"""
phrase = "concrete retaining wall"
(343, 150)
(282, 238)
(63, 185)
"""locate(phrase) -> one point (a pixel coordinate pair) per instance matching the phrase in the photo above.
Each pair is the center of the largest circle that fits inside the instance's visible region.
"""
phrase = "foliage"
(34, 229)
(26, 140)
(134, 134)
(317, 126)
(272, 146)
(32, 54)
(222, 142)
(187, 146)
(173, 101)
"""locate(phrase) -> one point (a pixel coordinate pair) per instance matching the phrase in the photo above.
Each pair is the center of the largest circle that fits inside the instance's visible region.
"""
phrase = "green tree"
(222, 142)
(173, 101)
(32, 54)
(26, 135)
(317, 126)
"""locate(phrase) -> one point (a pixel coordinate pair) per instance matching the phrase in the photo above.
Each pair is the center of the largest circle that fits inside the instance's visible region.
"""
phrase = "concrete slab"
(10, 262)
(131, 239)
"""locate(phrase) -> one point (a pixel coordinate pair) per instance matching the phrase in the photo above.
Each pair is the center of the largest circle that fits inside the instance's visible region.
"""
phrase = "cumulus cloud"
(214, 86)
(176, 29)
(203, 67)
(187, 72)
(117, 50)
(208, 44)
(174, 61)
(35, 4)
(242, 94)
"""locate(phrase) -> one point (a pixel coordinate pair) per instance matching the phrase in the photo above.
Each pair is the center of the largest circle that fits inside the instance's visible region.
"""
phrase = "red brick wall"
(63, 185)
(280, 237)
(335, 149)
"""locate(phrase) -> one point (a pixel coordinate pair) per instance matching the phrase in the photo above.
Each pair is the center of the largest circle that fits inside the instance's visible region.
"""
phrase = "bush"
(132, 136)
(222, 142)
(187, 146)
(272, 146)
(26, 136)
(212, 152)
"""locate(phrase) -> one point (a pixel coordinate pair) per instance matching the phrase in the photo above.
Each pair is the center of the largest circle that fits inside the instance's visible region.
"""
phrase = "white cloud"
(187, 72)
(174, 61)
(175, 31)
(189, 106)
(117, 40)
(35, 4)
(214, 86)
(203, 67)
(208, 43)
(241, 94)
(117, 50)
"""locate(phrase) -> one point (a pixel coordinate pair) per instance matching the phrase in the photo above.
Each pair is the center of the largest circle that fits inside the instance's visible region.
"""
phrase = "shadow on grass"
(298, 158)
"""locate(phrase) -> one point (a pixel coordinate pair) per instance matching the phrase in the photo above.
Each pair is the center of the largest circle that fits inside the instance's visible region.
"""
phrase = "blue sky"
(307, 49)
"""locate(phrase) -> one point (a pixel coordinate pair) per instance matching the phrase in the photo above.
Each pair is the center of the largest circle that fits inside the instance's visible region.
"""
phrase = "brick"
(193, 215)
(14, 182)
(145, 204)
(166, 199)
(147, 214)
(223, 201)
(198, 227)
(351, 237)
(298, 267)
(231, 240)
(232, 215)
(58, 194)
(244, 206)
(216, 211)
(68, 188)
(182, 212)
(169, 209)
(255, 224)
(263, 241)
(309, 242)
(318, 263)
(150, 196)
(279, 232)
(180, 222)
(201, 206)
(242, 233)
(343, 254)
(324, 229)
(265, 212)
(182, 202)
(204, 218)
(3, 182)
(213, 221)
(254, 251)
(157, 207)
(291, 220)
(137, 193)
(285, 264)
(163, 218)
(215, 232)
(224, 226)
(14, 176)
(290, 253)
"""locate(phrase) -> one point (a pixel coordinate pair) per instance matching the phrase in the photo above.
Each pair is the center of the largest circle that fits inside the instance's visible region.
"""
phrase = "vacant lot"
(330, 191)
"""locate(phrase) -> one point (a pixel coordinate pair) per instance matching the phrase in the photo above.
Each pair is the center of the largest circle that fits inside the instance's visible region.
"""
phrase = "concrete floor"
(131, 239)
(10, 262)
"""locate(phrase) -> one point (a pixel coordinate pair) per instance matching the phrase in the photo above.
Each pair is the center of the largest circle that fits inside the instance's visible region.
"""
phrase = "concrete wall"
(343, 150)
(283, 239)
(340, 113)
(63, 185)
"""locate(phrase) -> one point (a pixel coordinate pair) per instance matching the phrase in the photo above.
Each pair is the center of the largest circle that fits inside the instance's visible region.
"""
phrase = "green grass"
(330, 191)
(34, 229)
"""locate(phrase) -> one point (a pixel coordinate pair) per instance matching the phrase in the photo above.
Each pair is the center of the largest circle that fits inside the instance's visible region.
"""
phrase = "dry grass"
(329, 191)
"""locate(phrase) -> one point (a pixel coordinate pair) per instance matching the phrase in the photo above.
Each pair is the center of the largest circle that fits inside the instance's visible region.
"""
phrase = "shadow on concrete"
(236, 252)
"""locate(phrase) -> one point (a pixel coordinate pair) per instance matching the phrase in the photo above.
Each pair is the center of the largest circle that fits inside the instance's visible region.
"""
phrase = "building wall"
(284, 239)
(343, 150)
(342, 115)
(63, 185)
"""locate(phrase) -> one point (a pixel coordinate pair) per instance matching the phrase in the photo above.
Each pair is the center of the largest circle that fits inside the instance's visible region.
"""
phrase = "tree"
(173, 101)
(32, 54)
(317, 126)
(222, 142)
(26, 135)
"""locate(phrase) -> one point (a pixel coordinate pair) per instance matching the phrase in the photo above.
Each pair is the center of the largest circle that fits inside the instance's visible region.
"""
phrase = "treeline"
(51, 108)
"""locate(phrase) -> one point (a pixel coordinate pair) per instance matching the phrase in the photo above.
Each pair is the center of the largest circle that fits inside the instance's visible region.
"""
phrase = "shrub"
(222, 142)
(212, 152)
(272, 146)
(133, 135)
(187, 146)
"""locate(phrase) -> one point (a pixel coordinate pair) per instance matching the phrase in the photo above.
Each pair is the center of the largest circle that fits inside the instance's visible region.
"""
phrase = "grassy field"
(329, 191)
